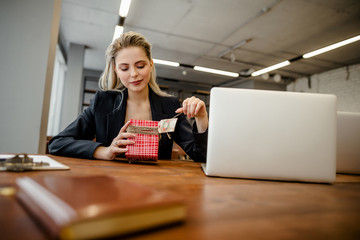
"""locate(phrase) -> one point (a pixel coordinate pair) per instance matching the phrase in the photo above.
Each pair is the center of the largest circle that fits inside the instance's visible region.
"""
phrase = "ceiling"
(230, 35)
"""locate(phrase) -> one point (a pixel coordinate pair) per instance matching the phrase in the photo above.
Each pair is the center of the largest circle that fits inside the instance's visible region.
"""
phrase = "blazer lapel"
(116, 119)
(155, 104)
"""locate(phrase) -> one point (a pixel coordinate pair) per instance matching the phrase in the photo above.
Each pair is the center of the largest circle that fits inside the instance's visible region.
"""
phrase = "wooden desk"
(218, 208)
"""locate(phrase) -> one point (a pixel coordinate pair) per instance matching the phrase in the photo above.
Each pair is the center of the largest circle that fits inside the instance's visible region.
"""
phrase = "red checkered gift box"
(146, 140)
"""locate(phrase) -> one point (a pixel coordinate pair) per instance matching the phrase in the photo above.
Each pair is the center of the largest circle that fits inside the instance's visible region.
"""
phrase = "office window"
(57, 90)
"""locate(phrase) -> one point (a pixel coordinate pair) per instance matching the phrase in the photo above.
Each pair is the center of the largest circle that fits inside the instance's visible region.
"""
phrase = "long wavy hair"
(109, 80)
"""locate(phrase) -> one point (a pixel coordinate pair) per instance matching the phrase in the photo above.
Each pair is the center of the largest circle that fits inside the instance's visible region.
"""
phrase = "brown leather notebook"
(96, 206)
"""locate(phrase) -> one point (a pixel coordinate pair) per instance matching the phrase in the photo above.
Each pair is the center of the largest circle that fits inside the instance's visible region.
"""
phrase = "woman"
(130, 92)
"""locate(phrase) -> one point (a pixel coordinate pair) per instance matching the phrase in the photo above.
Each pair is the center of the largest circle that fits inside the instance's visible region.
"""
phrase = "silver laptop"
(348, 143)
(272, 135)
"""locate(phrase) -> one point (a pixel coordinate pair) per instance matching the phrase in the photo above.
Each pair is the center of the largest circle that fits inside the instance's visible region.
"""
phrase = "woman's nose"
(134, 72)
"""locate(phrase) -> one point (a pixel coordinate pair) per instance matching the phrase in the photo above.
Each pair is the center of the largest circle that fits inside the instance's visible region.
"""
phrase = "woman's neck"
(139, 97)
(138, 106)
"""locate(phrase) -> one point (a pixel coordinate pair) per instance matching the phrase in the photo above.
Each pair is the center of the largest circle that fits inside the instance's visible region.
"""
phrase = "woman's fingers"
(197, 108)
(122, 130)
(187, 106)
(191, 107)
(179, 110)
(123, 134)
(123, 142)
(119, 143)
(108, 153)
(117, 150)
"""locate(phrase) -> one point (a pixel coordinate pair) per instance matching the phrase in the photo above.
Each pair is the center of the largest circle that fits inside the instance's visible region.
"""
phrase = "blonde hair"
(109, 79)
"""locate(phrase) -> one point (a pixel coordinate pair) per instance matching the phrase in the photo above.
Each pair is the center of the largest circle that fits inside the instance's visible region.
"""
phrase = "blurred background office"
(52, 53)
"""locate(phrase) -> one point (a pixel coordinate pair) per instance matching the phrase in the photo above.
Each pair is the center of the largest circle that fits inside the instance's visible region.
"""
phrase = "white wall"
(28, 37)
(73, 86)
(343, 82)
(57, 91)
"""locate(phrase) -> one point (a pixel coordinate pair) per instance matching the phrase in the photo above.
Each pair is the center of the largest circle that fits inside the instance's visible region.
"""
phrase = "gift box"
(146, 141)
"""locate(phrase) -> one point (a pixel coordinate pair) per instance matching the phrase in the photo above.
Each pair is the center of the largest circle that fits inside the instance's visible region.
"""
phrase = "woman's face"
(133, 68)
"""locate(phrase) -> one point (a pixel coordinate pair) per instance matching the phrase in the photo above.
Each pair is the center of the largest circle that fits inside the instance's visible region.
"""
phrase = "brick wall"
(343, 82)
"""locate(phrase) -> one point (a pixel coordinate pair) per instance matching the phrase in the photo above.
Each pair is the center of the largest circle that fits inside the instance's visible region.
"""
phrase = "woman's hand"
(194, 107)
(117, 146)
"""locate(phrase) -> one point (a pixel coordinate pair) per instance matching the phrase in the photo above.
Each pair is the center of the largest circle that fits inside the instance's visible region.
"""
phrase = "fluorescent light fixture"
(331, 47)
(271, 68)
(124, 8)
(168, 63)
(118, 31)
(215, 71)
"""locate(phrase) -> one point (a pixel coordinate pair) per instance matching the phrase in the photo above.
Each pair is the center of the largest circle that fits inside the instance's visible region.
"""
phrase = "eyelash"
(125, 69)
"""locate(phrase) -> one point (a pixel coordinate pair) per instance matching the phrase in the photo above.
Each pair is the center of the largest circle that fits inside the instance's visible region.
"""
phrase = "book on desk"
(84, 207)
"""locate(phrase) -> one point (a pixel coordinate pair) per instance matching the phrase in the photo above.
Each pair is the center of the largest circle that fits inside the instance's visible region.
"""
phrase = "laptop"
(348, 143)
(271, 135)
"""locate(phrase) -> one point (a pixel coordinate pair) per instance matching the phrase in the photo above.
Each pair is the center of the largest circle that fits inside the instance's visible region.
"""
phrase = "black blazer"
(104, 118)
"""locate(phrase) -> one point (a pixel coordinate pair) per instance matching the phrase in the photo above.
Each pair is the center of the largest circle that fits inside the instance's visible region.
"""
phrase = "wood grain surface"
(217, 208)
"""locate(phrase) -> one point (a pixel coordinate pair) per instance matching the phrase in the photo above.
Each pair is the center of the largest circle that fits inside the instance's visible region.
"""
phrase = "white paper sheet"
(53, 164)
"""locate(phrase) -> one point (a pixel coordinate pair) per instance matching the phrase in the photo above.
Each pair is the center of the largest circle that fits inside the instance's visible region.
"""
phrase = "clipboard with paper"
(24, 162)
